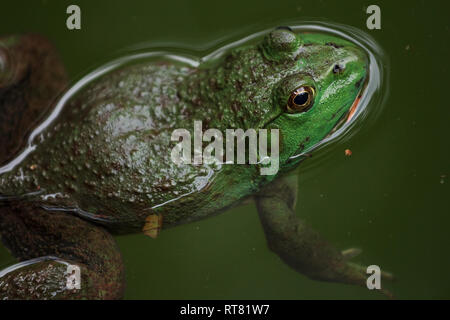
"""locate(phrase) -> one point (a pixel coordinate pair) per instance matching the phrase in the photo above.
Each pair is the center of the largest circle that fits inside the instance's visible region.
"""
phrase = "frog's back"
(110, 148)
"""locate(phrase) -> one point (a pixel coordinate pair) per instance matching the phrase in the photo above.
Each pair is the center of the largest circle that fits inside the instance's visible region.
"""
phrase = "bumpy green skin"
(108, 153)
(106, 158)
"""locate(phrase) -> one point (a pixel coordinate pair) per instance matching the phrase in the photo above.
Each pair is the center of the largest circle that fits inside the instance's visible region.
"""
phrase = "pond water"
(390, 197)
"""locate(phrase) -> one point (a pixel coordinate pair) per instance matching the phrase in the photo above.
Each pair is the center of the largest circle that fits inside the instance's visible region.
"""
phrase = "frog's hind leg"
(298, 245)
(31, 77)
(62, 257)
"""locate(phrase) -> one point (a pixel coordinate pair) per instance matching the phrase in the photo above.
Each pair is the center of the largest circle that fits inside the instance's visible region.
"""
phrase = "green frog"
(77, 170)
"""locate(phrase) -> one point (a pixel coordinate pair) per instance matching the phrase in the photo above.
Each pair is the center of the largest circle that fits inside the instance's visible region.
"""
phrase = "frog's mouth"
(346, 117)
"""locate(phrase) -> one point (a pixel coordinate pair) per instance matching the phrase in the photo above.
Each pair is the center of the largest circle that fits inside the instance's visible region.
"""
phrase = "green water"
(391, 197)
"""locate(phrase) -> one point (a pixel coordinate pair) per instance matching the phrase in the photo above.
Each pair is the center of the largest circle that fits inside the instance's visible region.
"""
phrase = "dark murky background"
(391, 197)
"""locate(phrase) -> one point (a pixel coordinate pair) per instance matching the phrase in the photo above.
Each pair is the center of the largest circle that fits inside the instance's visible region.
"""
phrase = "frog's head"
(320, 83)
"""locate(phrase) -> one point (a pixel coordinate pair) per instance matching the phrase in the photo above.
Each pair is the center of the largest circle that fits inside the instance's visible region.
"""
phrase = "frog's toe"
(351, 253)
(385, 275)
(357, 274)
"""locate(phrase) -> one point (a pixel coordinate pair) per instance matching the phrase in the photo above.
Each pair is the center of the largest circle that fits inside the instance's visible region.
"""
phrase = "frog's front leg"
(63, 257)
(297, 244)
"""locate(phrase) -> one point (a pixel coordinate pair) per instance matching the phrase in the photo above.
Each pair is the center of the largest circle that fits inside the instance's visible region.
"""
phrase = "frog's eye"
(301, 99)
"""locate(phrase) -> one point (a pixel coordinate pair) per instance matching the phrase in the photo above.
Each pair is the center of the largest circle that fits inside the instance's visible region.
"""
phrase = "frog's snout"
(362, 61)
(354, 67)
(359, 72)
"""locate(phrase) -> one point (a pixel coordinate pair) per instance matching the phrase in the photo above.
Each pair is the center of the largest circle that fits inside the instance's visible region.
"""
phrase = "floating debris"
(153, 224)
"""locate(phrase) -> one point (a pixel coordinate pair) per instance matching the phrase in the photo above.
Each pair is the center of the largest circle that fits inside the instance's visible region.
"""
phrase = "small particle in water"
(348, 152)
(443, 176)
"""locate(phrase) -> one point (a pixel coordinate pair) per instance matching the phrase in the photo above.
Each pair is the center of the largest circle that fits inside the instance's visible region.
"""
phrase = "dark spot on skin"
(334, 45)
(196, 101)
(301, 147)
(229, 61)
(334, 114)
(217, 196)
(238, 86)
(164, 101)
(236, 106)
(213, 83)
(302, 144)
(116, 166)
(186, 112)
(206, 123)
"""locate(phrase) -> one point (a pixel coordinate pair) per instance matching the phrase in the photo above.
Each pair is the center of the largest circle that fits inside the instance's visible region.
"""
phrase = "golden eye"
(301, 99)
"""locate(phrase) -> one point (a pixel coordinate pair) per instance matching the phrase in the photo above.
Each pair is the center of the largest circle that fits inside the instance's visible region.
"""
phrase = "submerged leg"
(297, 244)
(31, 77)
(54, 249)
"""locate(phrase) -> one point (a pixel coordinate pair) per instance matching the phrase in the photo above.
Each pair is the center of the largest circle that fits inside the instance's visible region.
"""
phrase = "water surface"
(391, 197)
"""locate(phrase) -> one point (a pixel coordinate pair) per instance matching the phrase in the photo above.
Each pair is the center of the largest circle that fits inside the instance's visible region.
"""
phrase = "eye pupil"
(301, 98)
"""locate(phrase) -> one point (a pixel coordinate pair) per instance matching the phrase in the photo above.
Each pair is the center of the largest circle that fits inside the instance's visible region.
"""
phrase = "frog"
(76, 172)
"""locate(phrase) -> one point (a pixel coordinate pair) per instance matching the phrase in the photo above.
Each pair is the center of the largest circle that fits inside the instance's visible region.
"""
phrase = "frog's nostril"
(338, 68)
